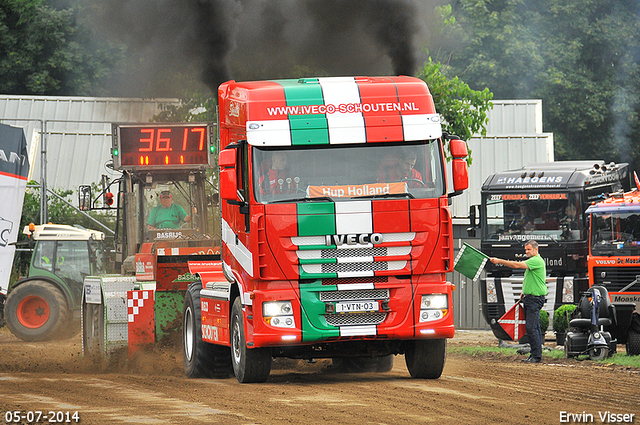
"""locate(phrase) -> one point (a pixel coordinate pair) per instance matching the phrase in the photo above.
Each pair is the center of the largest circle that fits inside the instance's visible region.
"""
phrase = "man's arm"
(510, 264)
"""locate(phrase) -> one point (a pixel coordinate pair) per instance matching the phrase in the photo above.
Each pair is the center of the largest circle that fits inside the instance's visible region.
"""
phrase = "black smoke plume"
(255, 39)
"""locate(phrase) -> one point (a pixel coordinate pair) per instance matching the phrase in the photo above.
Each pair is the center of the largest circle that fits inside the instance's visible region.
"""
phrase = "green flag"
(470, 262)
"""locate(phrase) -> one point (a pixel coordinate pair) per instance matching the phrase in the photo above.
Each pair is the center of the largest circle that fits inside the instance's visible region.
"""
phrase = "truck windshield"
(615, 233)
(348, 171)
(523, 216)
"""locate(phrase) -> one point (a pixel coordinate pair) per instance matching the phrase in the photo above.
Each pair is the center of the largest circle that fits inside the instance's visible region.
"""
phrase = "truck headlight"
(433, 307)
(567, 290)
(278, 314)
(492, 295)
(434, 301)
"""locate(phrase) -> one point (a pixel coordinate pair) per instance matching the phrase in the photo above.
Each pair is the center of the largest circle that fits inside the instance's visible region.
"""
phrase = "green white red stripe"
(342, 110)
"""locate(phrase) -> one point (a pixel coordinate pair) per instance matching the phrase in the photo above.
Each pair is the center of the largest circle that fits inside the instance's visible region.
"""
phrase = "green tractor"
(46, 304)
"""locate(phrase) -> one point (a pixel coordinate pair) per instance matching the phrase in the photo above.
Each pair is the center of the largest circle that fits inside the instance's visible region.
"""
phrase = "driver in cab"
(401, 169)
(167, 215)
(277, 180)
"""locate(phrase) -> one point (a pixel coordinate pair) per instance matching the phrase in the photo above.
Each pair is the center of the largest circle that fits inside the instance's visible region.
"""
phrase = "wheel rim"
(236, 342)
(33, 312)
(188, 334)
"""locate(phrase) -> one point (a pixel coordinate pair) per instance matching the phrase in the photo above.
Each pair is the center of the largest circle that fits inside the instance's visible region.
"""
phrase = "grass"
(618, 359)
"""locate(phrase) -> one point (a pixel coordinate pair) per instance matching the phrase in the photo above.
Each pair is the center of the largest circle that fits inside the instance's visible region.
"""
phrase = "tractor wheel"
(93, 331)
(598, 353)
(37, 311)
(425, 358)
(249, 365)
(633, 343)
(201, 359)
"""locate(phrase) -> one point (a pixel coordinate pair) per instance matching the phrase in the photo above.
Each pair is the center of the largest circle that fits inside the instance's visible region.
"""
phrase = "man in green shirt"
(534, 291)
(167, 215)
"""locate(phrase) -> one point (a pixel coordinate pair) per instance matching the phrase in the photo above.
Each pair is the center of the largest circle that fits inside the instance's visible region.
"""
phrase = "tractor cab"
(66, 253)
(46, 304)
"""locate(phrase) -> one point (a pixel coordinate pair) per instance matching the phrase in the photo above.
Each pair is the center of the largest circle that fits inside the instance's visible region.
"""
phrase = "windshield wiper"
(385, 195)
(303, 199)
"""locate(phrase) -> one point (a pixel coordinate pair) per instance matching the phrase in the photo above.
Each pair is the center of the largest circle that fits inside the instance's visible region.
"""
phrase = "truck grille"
(355, 319)
(354, 267)
(354, 252)
(616, 278)
(316, 258)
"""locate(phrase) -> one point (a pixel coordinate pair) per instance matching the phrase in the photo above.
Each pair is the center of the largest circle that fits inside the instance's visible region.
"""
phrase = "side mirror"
(228, 176)
(458, 148)
(459, 151)
(471, 231)
(84, 198)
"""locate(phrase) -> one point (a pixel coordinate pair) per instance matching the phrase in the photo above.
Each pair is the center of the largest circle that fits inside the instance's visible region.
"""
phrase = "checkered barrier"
(141, 318)
(513, 322)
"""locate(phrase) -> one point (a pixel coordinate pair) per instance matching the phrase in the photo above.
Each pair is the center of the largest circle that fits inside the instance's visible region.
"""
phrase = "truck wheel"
(384, 363)
(201, 359)
(633, 343)
(425, 358)
(93, 338)
(37, 311)
(249, 365)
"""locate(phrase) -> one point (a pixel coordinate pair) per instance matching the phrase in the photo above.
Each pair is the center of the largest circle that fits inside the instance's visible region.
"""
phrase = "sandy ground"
(53, 377)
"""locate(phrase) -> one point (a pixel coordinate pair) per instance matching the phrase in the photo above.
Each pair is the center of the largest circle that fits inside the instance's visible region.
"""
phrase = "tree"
(45, 51)
(464, 111)
(579, 56)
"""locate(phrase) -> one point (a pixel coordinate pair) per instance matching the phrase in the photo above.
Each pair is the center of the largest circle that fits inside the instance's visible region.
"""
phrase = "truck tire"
(249, 365)
(93, 337)
(363, 364)
(37, 311)
(201, 359)
(425, 358)
(633, 343)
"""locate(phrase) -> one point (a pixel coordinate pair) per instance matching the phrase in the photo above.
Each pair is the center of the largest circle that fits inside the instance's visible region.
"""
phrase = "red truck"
(336, 229)
(614, 264)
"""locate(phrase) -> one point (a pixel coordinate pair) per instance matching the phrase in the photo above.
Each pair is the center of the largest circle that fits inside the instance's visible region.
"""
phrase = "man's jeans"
(532, 306)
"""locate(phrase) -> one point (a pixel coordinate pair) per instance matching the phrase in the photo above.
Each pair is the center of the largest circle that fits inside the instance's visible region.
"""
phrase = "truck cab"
(336, 228)
(614, 262)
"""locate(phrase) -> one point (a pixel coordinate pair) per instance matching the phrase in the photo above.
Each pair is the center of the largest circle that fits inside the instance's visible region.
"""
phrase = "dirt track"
(53, 376)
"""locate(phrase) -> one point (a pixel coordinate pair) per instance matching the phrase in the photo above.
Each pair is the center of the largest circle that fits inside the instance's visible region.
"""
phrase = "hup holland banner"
(14, 168)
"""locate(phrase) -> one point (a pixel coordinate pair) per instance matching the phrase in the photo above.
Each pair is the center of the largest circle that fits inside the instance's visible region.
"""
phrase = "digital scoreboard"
(161, 145)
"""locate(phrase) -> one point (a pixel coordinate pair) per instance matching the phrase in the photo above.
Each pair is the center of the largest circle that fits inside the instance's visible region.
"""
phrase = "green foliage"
(44, 50)
(561, 317)
(544, 320)
(463, 110)
(495, 351)
(193, 108)
(579, 56)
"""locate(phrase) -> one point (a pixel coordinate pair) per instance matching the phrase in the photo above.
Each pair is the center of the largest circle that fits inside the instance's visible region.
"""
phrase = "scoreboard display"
(162, 145)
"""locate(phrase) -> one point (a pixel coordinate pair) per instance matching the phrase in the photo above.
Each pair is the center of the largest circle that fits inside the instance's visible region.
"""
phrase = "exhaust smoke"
(255, 39)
